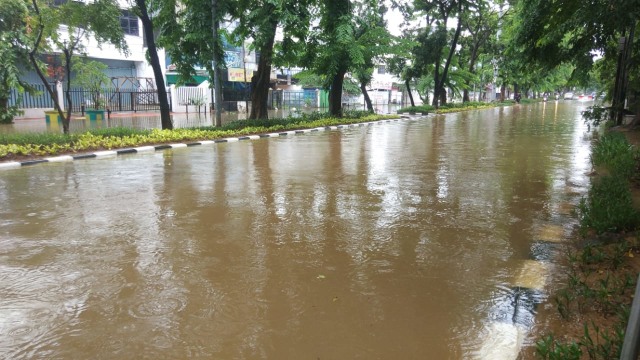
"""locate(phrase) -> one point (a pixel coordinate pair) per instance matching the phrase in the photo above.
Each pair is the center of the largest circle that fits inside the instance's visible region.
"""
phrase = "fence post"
(60, 95)
(133, 104)
(632, 334)
(174, 95)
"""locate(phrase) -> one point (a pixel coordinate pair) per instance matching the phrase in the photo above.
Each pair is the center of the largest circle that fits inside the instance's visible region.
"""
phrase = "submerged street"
(430, 237)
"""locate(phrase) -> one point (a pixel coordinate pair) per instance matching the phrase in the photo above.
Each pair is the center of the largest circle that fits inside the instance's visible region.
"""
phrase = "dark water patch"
(516, 305)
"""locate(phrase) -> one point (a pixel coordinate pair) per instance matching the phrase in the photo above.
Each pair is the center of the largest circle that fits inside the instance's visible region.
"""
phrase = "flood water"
(398, 240)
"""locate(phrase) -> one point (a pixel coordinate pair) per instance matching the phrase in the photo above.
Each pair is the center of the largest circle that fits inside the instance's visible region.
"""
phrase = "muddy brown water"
(396, 240)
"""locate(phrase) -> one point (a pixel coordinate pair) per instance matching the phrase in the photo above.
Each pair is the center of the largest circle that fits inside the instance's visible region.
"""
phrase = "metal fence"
(41, 98)
(116, 99)
(288, 99)
(109, 98)
(187, 95)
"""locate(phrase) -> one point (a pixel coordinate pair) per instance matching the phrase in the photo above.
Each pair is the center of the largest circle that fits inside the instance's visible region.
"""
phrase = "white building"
(126, 71)
(132, 65)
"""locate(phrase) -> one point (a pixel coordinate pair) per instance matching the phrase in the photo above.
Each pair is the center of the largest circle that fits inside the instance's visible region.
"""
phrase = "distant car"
(568, 96)
(585, 97)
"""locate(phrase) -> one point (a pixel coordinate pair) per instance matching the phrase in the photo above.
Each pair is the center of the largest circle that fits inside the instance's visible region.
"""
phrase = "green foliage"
(453, 107)
(8, 113)
(466, 105)
(98, 19)
(570, 32)
(119, 132)
(529, 101)
(551, 349)
(350, 87)
(90, 75)
(597, 284)
(594, 116)
(113, 138)
(13, 37)
(308, 79)
(608, 206)
(35, 138)
(356, 114)
(595, 342)
(613, 152)
(417, 109)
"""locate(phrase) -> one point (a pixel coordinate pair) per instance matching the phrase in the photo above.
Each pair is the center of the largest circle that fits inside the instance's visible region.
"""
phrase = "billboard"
(236, 74)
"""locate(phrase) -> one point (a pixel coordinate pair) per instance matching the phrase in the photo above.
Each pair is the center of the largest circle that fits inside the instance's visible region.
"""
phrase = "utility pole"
(494, 61)
(216, 64)
(244, 69)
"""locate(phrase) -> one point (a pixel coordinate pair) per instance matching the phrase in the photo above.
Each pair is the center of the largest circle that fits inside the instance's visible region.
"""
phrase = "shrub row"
(113, 138)
(609, 205)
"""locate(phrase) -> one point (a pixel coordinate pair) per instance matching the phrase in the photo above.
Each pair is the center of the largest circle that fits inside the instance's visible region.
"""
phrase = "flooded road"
(403, 240)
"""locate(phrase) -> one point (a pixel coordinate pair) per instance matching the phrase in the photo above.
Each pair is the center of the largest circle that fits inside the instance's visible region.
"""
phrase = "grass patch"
(613, 153)
(456, 107)
(36, 138)
(425, 109)
(529, 101)
(26, 145)
(609, 205)
(602, 266)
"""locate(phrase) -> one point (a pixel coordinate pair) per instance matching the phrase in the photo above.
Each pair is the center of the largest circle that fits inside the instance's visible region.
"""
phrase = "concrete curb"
(152, 148)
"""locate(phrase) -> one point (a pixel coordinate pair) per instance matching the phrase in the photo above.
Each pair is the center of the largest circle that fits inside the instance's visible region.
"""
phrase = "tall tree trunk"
(436, 84)
(502, 90)
(367, 99)
(67, 58)
(34, 62)
(625, 72)
(260, 82)
(335, 94)
(472, 62)
(452, 49)
(465, 96)
(406, 83)
(147, 25)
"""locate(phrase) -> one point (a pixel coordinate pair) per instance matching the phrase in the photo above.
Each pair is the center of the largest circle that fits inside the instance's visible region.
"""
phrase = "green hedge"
(43, 144)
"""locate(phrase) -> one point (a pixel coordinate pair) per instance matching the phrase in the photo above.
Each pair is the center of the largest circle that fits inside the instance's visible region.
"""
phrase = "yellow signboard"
(236, 74)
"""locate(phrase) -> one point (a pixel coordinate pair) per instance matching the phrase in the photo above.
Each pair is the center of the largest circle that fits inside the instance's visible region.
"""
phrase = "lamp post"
(244, 69)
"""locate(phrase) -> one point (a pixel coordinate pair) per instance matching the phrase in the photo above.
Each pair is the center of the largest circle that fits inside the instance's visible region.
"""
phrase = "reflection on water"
(129, 120)
(146, 121)
(395, 240)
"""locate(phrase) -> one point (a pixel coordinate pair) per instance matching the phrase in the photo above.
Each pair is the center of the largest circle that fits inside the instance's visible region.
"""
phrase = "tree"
(348, 38)
(259, 20)
(13, 37)
(559, 31)
(334, 49)
(374, 39)
(438, 13)
(90, 75)
(481, 26)
(189, 32)
(401, 61)
(152, 52)
(99, 19)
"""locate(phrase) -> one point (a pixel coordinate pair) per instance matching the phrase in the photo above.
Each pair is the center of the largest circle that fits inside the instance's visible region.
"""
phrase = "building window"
(382, 69)
(129, 23)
